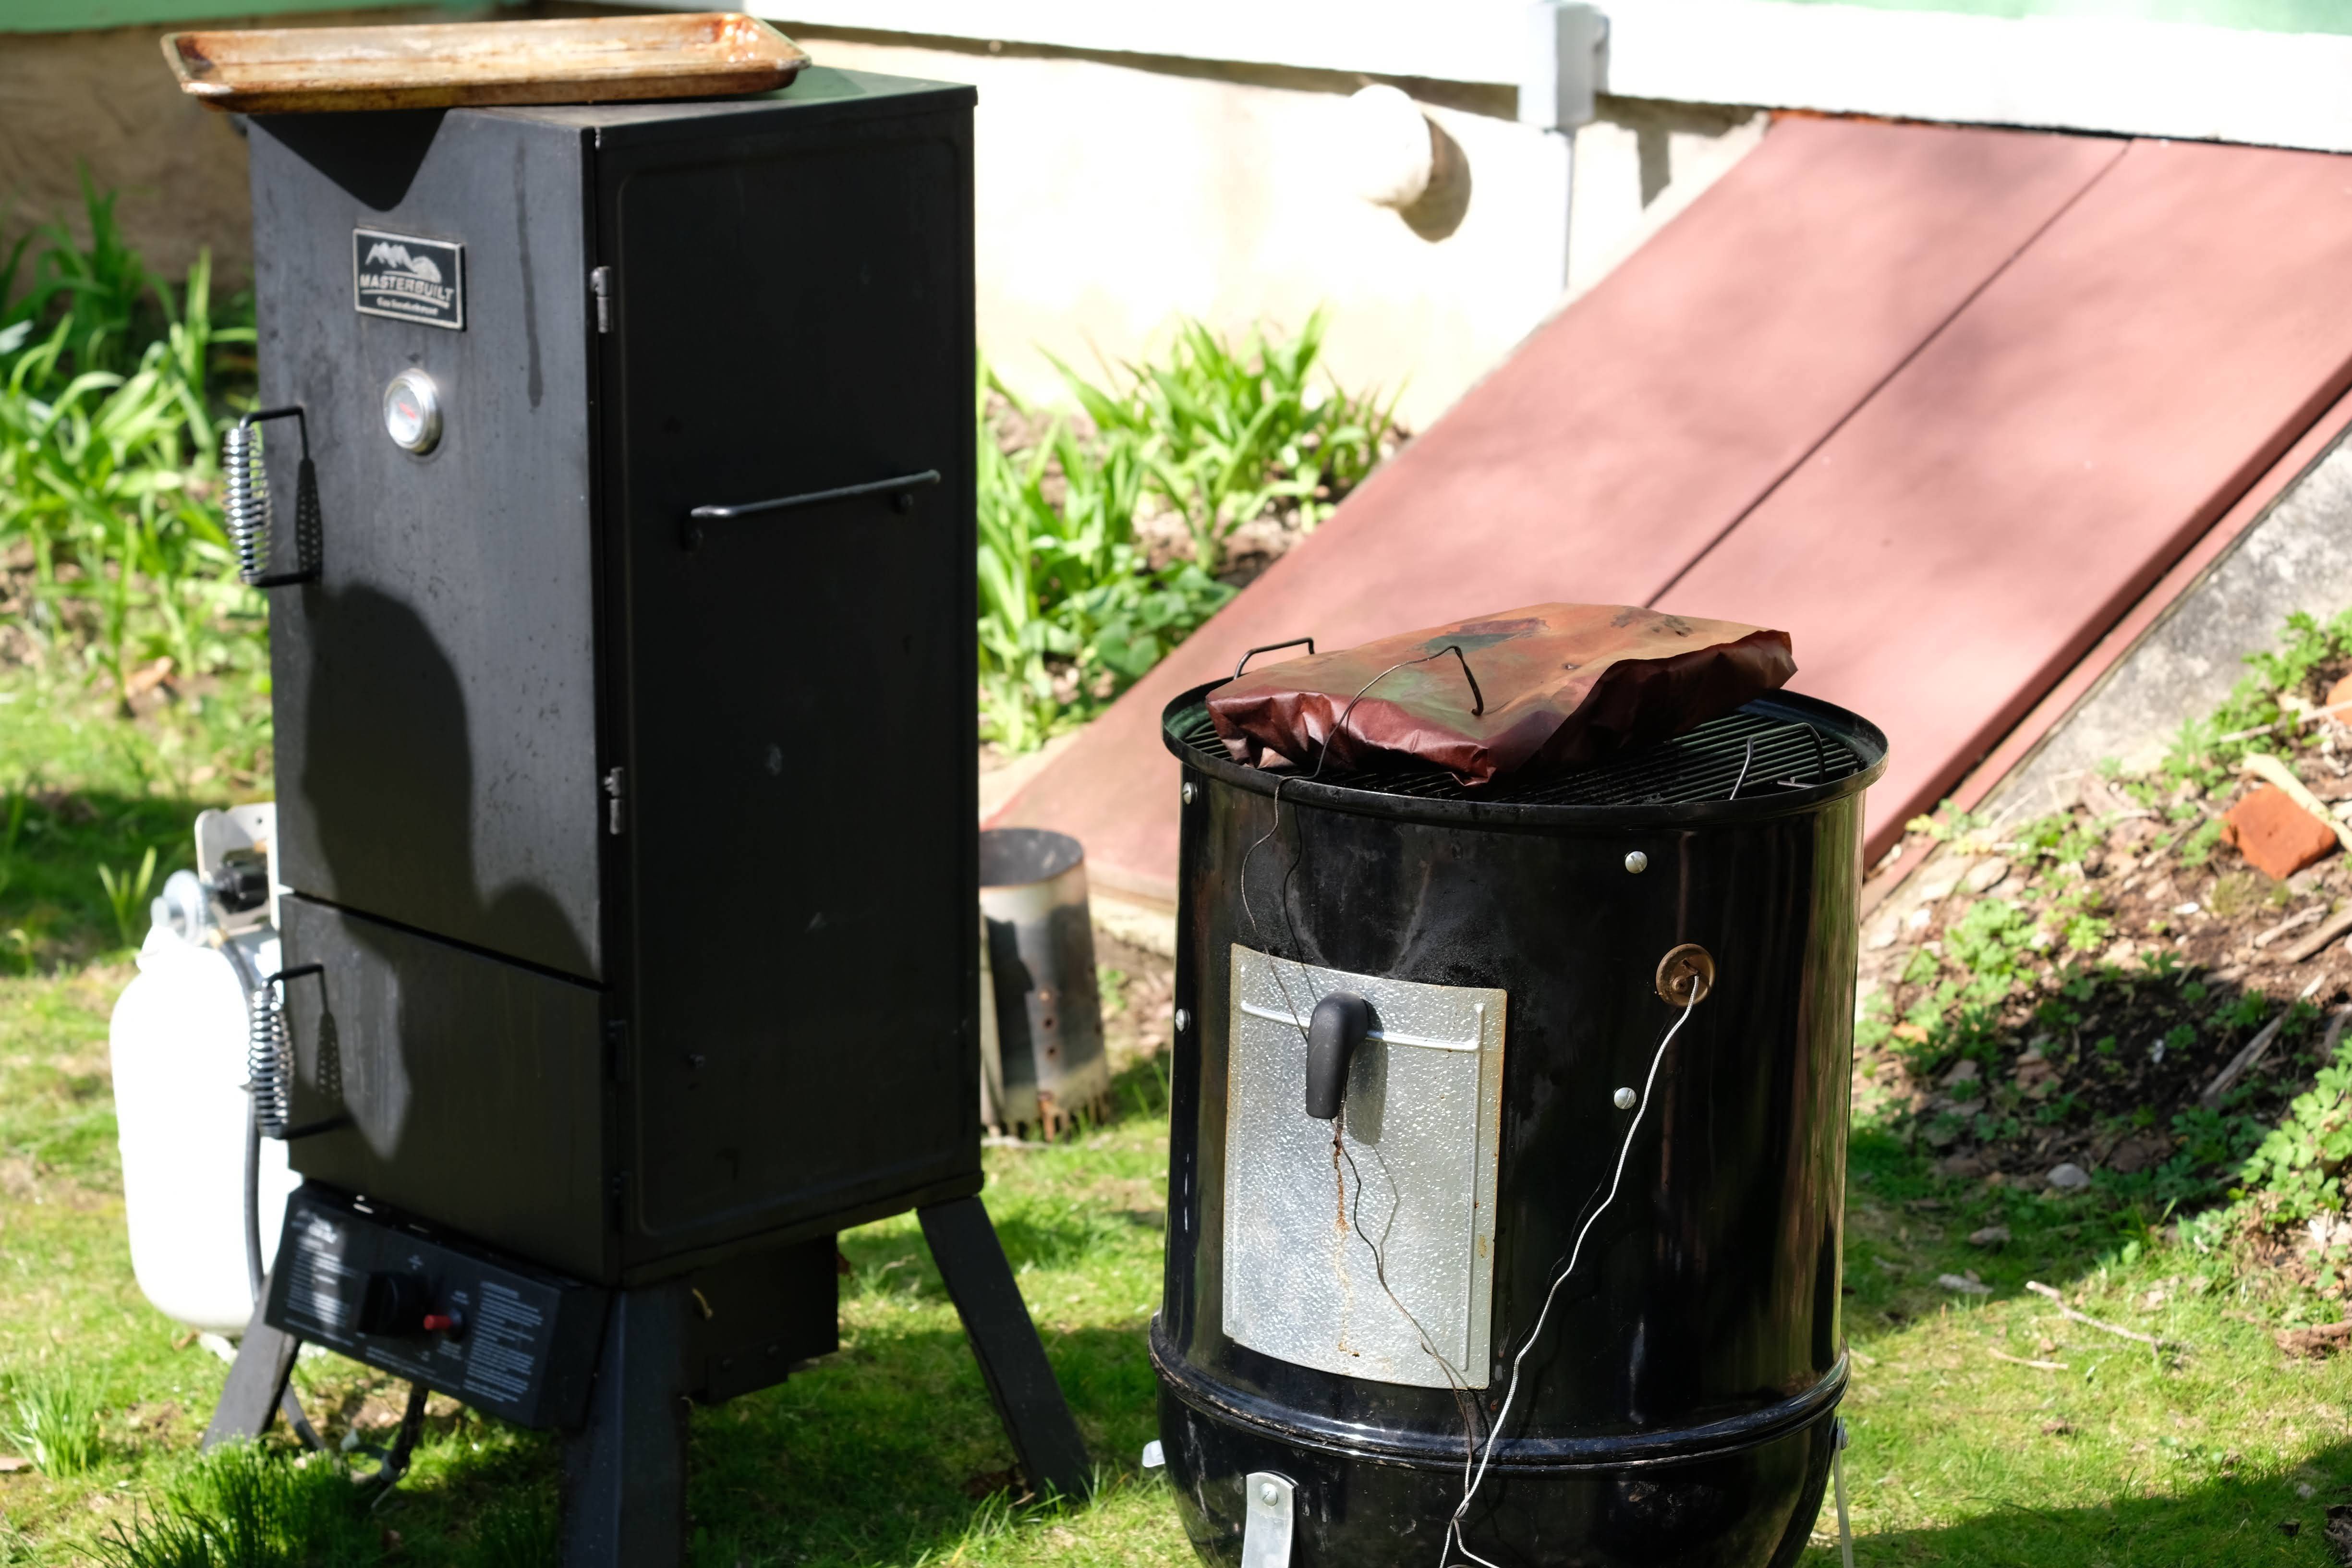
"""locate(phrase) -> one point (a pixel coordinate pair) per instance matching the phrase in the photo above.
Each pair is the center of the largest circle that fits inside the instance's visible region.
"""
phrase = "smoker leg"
(257, 1383)
(1012, 1360)
(625, 1471)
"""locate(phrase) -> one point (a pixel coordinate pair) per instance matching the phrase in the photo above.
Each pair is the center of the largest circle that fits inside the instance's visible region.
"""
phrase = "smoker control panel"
(498, 1334)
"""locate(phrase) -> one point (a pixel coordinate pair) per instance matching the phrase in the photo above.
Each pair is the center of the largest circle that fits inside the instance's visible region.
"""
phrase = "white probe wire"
(1837, 1476)
(1452, 1540)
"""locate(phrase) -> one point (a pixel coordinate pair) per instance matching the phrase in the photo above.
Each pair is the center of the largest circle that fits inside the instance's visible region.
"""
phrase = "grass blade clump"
(517, 1533)
(52, 1420)
(127, 895)
(245, 1506)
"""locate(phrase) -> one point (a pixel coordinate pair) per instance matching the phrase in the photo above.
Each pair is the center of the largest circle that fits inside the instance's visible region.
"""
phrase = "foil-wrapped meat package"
(1518, 694)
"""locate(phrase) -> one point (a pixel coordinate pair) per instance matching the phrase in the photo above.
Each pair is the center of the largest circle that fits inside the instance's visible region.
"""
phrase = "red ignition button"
(442, 1322)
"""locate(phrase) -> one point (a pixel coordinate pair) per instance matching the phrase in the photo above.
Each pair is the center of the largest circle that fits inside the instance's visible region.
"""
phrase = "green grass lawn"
(2110, 1455)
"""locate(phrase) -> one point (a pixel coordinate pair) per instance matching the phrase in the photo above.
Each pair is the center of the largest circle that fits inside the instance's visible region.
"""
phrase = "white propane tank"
(178, 1042)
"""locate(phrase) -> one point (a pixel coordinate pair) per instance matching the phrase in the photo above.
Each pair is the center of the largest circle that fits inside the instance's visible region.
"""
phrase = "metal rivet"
(1189, 792)
(1183, 1020)
(1637, 862)
(1625, 1099)
(1269, 1494)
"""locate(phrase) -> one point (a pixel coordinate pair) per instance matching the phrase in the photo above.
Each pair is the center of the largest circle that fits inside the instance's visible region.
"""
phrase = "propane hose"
(269, 1066)
(288, 1400)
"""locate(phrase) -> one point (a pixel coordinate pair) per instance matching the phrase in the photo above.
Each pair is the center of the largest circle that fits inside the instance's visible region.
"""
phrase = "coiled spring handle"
(248, 498)
(269, 1058)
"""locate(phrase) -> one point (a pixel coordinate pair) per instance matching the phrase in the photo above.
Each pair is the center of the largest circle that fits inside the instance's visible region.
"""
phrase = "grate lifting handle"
(901, 492)
(1270, 647)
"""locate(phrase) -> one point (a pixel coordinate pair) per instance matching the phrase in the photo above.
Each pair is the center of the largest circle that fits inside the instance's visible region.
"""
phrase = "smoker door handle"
(1334, 1032)
(901, 492)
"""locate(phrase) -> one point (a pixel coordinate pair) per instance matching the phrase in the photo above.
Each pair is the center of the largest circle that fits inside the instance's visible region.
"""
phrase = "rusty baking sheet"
(278, 70)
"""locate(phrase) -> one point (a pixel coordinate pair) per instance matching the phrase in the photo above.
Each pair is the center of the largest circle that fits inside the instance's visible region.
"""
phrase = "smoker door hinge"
(600, 284)
(616, 1050)
(613, 780)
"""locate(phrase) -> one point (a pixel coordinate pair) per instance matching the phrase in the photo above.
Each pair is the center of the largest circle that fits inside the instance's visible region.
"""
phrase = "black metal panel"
(436, 692)
(473, 1087)
(759, 1316)
(388, 1289)
(1704, 1312)
(1752, 1505)
(793, 313)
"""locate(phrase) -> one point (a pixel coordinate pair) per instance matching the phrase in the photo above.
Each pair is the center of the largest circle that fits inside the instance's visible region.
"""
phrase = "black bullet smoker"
(623, 659)
(1604, 1020)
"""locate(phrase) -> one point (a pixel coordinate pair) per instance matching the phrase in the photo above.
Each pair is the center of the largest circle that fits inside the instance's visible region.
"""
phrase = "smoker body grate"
(1701, 765)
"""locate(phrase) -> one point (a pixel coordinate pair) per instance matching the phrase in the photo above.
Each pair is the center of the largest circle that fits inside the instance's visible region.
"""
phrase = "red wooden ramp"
(1942, 403)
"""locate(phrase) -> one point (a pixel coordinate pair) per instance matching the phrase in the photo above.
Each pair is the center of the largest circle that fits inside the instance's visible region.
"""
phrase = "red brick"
(2338, 701)
(2277, 836)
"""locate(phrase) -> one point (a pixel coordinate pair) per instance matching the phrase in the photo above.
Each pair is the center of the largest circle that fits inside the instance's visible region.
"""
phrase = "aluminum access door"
(1412, 1177)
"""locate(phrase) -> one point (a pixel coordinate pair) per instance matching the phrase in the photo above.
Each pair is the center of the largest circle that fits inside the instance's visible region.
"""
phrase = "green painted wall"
(2250, 16)
(70, 15)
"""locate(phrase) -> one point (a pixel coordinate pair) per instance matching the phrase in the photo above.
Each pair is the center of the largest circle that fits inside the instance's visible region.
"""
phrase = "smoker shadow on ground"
(2223, 1520)
(1907, 1227)
(887, 1452)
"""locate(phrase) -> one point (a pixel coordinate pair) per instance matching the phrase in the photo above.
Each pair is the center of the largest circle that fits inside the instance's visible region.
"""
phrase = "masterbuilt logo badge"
(411, 279)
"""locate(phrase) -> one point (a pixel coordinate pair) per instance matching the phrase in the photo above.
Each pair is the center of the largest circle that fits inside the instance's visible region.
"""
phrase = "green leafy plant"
(2298, 1168)
(51, 1418)
(1228, 430)
(1071, 609)
(1989, 942)
(2265, 710)
(110, 404)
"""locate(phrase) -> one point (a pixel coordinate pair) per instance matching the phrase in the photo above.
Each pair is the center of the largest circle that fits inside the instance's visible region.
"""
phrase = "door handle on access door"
(901, 492)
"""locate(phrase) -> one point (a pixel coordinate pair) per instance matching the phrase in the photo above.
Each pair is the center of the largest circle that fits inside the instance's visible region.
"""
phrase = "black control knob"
(393, 1304)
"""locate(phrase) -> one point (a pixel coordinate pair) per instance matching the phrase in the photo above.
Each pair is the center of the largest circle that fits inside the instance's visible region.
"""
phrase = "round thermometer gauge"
(411, 411)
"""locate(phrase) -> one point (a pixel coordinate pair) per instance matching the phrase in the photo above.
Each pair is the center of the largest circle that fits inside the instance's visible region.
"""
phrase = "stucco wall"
(1115, 192)
(107, 101)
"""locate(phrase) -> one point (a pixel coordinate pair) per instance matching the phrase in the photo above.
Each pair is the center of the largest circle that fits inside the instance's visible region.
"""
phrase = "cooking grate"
(1701, 765)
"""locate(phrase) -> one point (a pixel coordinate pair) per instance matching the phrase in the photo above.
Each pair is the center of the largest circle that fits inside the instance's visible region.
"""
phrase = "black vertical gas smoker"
(1507, 1153)
(622, 641)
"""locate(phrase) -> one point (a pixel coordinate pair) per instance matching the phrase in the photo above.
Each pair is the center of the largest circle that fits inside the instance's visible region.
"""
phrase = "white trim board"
(2076, 73)
(2079, 73)
(1467, 40)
